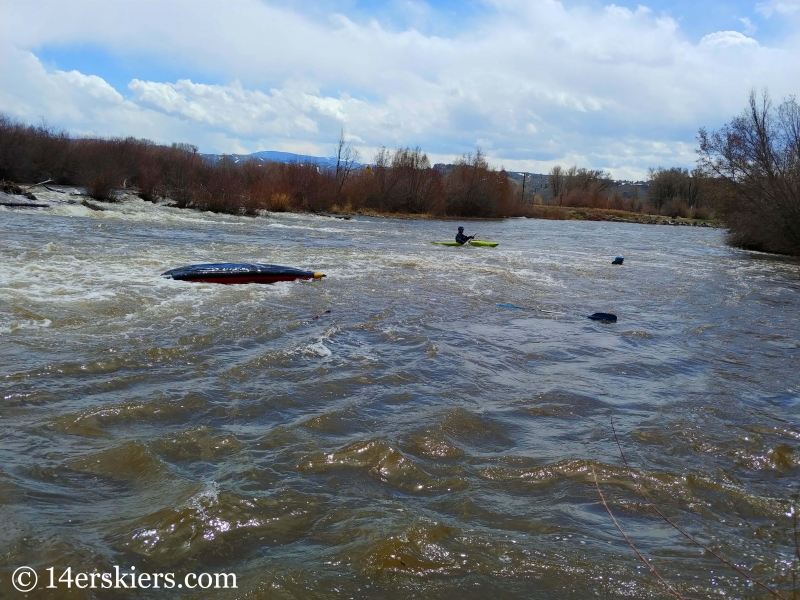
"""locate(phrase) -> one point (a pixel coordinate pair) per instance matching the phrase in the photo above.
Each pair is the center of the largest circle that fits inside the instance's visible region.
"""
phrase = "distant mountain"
(274, 156)
(289, 157)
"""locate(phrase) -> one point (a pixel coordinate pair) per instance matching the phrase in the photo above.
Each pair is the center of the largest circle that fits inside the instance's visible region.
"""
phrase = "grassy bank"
(560, 213)
(551, 213)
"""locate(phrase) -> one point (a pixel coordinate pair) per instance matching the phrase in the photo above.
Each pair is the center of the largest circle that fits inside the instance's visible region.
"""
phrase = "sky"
(621, 86)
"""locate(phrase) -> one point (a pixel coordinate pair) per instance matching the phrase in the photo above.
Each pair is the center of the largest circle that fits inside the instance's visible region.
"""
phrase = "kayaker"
(461, 238)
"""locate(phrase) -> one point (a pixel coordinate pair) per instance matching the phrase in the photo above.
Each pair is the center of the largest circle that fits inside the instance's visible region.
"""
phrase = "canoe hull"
(238, 273)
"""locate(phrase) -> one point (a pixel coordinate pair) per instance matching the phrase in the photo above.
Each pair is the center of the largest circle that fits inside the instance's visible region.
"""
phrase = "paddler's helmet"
(461, 229)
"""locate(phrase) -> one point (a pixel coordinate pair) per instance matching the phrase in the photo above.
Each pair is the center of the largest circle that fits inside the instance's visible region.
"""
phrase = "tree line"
(748, 173)
(673, 192)
(398, 181)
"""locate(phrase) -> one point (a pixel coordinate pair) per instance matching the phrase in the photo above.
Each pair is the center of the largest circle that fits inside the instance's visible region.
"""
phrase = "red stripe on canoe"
(248, 279)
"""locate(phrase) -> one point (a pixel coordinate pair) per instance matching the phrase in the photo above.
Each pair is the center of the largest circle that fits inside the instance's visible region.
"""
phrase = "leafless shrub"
(619, 202)
(408, 184)
(667, 185)
(552, 213)
(311, 187)
(755, 160)
(473, 189)
(220, 188)
(104, 166)
(651, 210)
(675, 208)
(181, 169)
(148, 177)
(279, 203)
(579, 187)
(151, 185)
(100, 171)
(100, 185)
(29, 154)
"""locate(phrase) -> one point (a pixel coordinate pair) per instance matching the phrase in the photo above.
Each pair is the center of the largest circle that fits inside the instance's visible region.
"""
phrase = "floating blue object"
(604, 317)
(511, 306)
(618, 260)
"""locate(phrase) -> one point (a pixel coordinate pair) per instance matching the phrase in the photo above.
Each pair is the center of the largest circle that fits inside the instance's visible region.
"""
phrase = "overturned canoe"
(230, 273)
(471, 243)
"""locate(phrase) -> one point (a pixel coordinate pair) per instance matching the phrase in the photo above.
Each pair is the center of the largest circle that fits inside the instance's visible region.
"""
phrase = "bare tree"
(346, 158)
(757, 157)
(413, 171)
(556, 180)
(587, 180)
(385, 177)
(674, 184)
(474, 189)
(570, 179)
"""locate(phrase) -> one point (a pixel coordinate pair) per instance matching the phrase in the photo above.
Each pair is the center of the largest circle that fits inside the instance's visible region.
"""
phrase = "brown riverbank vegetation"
(399, 182)
(754, 164)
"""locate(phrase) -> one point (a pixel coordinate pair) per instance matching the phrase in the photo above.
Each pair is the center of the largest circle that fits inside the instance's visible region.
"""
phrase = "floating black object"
(239, 273)
(604, 317)
(618, 260)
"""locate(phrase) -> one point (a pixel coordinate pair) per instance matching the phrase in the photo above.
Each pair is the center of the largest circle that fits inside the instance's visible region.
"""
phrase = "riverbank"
(562, 213)
(550, 213)
(19, 196)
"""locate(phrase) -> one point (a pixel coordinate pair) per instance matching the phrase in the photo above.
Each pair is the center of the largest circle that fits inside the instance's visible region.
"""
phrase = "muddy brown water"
(418, 440)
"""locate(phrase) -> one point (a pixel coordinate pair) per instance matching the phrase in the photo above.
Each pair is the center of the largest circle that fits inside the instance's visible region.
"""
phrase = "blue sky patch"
(117, 69)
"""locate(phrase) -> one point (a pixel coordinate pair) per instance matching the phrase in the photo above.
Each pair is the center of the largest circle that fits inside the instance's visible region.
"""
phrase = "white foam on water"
(27, 324)
(209, 496)
(318, 349)
(343, 230)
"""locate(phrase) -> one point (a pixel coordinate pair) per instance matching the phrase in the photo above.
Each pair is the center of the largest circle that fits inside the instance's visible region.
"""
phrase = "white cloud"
(27, 87)
(749, 27)
(727, 40)
(780, 7)
(537, 82)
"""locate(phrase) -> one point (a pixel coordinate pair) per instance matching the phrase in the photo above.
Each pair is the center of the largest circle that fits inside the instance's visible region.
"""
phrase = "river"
(389, 431)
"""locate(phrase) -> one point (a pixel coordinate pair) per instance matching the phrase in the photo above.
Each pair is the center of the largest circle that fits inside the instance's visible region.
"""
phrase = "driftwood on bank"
(92, 205)
(12, 201)
(40, 183)
(25, 204)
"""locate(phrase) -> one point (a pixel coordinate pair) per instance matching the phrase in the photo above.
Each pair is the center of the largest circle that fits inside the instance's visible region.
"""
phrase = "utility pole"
(524, 177)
